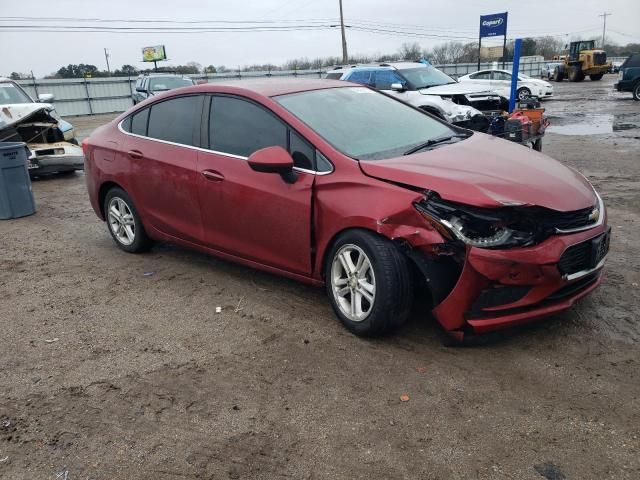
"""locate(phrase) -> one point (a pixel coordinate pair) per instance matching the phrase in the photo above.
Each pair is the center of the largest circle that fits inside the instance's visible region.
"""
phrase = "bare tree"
(548, 46)
(448, 52)
(410, 51)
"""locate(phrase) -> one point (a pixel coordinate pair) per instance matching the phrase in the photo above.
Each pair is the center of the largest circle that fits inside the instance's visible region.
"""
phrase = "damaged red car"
(339, 185)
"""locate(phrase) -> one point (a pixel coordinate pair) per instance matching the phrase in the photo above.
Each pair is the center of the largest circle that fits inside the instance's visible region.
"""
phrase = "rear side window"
(126, 124)
(481, 76)
(240, 127)
(334, 75)
(175, 120)
(632, 62)
(139, 122)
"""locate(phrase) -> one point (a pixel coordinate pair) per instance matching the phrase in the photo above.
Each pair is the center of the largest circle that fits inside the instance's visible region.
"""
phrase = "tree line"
(448, 52)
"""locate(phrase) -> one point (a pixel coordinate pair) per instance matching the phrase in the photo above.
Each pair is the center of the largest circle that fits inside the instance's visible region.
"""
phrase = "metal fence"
(78, 96)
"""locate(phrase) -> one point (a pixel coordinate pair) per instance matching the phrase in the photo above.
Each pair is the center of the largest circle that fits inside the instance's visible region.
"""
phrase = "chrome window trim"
(587, 227)
(583, 273)
(206, 150)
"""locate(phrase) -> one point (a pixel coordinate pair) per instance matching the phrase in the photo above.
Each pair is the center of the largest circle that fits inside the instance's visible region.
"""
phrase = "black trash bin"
(16, 197)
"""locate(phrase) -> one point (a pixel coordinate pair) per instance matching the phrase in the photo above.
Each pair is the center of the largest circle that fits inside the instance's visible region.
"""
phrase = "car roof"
(269, 87)
(379, 66)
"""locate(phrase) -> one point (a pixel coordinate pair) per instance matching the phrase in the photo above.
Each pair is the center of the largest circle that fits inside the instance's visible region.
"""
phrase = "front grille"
(585, 255)
(569, 220)
(599, 58)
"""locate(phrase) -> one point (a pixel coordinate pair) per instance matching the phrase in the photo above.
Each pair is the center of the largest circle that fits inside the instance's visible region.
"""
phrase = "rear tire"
(124, 223)
(558, 75)
(368, 281)
(636, 92)
(595, 77)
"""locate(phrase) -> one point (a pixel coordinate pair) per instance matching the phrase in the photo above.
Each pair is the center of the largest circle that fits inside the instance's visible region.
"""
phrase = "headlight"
(478, 227)
(69, 134)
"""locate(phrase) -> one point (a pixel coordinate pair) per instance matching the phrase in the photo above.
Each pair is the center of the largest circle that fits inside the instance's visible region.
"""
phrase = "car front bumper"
(499, 289)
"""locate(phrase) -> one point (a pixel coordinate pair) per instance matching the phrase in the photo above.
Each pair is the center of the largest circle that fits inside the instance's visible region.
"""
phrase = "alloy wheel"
(353, 282)
(121, 221)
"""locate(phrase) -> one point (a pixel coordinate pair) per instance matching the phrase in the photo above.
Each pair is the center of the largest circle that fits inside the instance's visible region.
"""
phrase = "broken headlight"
(477, 227)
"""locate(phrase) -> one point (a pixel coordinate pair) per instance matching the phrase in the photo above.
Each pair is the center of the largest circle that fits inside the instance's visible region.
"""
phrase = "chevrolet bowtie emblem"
(594, 215)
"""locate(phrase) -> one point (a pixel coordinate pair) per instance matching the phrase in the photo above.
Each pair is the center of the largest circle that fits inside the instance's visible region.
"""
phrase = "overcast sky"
(45, 52)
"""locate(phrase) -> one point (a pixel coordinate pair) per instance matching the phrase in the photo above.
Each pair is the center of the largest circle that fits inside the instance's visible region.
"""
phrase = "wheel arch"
(102, 194)
(432, 275)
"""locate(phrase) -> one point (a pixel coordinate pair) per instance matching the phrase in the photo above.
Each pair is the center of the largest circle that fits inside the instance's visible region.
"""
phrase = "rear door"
(501, 83)
(163, 165)
(254, 215)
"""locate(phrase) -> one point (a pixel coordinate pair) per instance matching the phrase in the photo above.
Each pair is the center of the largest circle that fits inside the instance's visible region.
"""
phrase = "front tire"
(523, 93)
(368, 282)
(124, 223)
(575, 74)
(636, 92)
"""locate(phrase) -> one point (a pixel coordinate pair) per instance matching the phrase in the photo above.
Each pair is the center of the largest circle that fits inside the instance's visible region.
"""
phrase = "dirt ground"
(116, 366)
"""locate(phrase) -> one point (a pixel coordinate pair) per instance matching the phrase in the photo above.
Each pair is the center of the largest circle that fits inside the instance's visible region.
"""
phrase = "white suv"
(425, 87)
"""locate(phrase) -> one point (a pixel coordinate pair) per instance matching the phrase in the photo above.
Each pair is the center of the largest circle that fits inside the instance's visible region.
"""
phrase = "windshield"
(12, 93)
(363, 123)
(425, 77)
(168, 83)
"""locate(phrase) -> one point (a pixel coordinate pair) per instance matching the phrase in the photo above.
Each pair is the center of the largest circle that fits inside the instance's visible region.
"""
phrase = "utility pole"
(604, 25)
(345, 57)
(106, 57)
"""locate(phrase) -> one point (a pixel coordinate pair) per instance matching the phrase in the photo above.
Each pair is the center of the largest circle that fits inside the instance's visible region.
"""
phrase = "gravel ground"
(117, 366)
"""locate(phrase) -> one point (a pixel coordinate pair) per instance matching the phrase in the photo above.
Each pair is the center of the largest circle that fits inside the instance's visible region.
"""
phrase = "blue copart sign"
(493, 25)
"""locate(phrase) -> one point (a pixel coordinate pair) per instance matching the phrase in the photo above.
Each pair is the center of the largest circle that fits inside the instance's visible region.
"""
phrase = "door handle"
(135, 154)
(212, 175)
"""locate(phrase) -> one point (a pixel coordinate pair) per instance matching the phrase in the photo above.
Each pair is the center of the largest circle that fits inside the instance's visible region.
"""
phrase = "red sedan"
(339, 185)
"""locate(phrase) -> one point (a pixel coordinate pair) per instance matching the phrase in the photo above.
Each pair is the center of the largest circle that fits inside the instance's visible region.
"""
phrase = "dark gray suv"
(149, 84)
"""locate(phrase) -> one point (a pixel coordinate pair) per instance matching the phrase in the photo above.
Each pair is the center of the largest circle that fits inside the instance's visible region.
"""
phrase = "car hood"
(13, 113)
(454, 89)
(486, 171)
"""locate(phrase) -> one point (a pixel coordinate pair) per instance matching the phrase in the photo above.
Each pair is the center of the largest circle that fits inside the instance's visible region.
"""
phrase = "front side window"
(363, 123)
(501, 76)
(175, 120)
(384, 79)
(12, 93)
(425, 77)
(240, 127)
(301, 152)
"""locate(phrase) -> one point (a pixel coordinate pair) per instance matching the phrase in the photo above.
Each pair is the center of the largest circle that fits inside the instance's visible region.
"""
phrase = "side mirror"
(140, 89)
(273, 160)
(398, 87)
(45, 98)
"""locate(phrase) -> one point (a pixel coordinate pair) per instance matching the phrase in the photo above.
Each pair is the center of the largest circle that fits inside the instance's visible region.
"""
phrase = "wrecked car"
(336, 184)
(50, 141)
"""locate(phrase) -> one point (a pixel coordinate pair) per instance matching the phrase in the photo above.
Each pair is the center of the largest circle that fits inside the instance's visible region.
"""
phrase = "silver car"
(427, 88)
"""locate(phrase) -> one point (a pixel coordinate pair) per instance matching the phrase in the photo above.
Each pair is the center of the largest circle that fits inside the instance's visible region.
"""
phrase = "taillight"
(85, 145)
